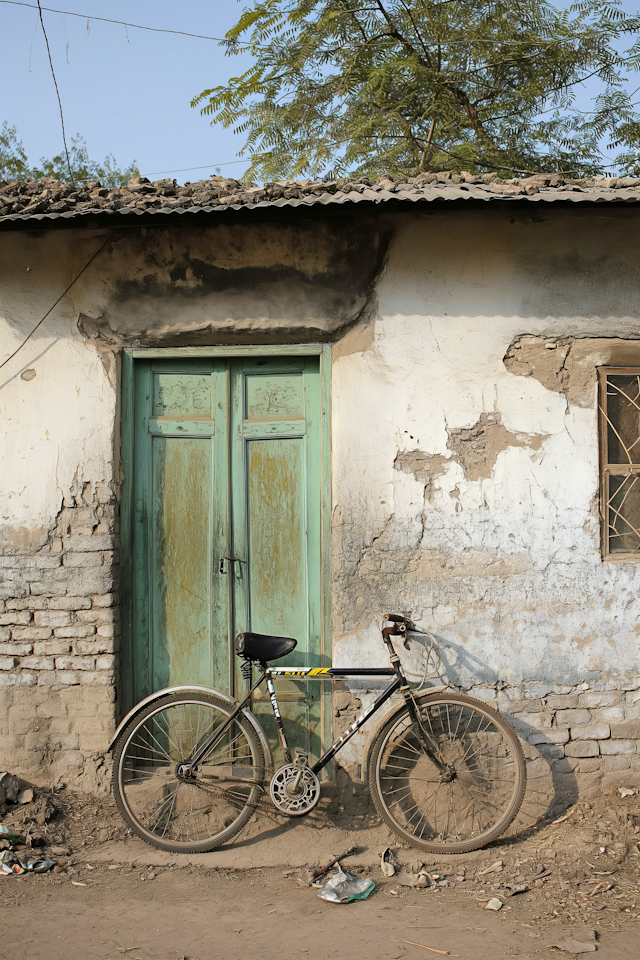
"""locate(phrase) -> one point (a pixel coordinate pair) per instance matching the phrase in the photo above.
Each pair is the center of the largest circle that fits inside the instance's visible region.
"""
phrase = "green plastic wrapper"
(344, 887)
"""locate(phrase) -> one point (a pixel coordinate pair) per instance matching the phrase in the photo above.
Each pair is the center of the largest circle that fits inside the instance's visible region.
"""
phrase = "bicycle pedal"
(301, 761)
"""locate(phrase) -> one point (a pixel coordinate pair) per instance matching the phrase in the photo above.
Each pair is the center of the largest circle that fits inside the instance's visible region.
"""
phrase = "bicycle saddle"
(260, 646)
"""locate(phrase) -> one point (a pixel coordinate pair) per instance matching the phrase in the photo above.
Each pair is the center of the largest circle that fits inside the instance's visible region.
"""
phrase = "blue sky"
(125, 92)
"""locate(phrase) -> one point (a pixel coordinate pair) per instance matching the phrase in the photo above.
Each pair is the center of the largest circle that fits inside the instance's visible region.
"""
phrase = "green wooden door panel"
(276, 538)
(276, 512)
(180, 480)
(181, 540)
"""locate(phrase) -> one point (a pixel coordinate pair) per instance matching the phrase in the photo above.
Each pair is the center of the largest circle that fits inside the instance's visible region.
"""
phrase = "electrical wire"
(61, 297)
(122, 23)
(55, 83)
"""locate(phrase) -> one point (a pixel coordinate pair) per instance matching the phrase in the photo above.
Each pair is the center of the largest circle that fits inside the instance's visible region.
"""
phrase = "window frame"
(606, 469)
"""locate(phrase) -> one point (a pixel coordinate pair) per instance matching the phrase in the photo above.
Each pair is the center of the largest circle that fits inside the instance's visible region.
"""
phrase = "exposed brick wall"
(59, 636)
(579, 740)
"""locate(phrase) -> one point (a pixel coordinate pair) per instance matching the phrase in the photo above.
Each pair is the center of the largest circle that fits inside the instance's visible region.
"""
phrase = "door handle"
(225, 560)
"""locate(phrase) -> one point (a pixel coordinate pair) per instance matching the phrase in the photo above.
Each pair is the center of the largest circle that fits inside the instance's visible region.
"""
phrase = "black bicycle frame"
(319, 673)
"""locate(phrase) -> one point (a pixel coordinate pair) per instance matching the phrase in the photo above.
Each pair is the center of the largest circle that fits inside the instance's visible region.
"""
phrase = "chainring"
(294, 805)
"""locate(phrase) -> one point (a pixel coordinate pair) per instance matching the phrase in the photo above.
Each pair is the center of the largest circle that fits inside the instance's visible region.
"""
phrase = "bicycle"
(446, 772)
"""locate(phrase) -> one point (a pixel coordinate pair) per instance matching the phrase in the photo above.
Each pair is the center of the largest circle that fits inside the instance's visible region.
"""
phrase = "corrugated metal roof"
(327, 194)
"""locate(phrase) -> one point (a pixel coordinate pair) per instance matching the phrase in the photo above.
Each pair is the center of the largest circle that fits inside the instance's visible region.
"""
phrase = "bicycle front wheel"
(177, 807)
(451, 782)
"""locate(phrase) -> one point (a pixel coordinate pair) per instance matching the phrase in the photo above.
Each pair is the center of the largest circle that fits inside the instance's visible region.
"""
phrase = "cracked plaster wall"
(465, 489)
(463, 408)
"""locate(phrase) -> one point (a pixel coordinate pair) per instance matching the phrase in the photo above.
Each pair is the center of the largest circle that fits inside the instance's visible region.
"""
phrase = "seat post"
(286, 753)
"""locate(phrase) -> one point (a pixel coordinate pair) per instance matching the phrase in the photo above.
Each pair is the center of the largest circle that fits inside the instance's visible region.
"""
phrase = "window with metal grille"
(619, 404)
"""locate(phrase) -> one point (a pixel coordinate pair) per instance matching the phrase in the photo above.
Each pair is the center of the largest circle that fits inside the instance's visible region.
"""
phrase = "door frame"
(126, 438)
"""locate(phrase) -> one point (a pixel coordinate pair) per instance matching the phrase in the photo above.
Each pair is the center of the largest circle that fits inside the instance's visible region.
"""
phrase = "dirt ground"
(117, 897)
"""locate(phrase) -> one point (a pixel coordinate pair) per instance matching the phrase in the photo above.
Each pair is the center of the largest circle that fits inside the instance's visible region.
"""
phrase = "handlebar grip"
(395, 618)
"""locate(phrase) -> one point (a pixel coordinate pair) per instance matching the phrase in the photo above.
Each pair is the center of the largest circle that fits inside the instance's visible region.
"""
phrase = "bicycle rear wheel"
(195, 812)
(452, 782)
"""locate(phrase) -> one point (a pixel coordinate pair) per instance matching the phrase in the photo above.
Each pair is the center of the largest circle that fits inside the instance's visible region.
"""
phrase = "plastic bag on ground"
(344, 887)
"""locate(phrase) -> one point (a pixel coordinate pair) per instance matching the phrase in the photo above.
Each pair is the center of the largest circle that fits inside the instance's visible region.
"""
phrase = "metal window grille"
(619, 411)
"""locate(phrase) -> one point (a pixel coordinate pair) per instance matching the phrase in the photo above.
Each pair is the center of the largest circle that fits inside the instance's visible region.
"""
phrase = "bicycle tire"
(481, 789)
(178, 814)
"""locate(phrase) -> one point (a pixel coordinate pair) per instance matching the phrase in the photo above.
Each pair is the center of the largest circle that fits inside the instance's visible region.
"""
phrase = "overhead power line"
(55, 83)
(249, 44)
(122, 23)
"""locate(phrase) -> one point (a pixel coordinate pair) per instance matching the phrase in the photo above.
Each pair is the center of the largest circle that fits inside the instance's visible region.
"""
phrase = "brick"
(554, 735)
(48, 678)
(5, 633)
(15, 649)
(593, 731)
(52, 618)
(551, 751)
(611, 764)
(611, 714)
(37, 663)
(626, 731)
(99, 645)
(99, 541)
(582, 748)
(67, 677)
(17, 679)
(27, 603)
(562, 701)
(569, 718)
(609, 747)
(94, 678)
(7, 663)
(632, 712)
(105, 600)
(602, 698)
(69, 603)
(83, 560)
(590, 764)
(1, 606)
(30, 633)
(52, 648)
(75, 663)
(108, 615)
(15, 618)
(107, 630)
(77, 630)
(106, 662)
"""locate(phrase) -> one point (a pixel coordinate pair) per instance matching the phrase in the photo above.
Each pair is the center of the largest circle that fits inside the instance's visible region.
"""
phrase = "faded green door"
(276, 500)
(226, 507)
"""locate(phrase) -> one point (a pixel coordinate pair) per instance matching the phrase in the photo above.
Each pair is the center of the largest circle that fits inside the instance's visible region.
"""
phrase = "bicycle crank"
(294, 788)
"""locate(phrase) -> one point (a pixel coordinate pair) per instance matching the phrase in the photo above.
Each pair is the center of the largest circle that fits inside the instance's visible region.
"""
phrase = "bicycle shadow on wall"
(552, 786)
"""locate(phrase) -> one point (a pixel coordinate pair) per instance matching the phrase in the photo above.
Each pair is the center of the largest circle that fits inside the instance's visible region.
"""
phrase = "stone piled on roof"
(50, 196)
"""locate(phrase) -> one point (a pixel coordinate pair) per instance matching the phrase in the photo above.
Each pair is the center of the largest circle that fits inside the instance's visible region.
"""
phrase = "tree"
(13, 160)
(405, 86)
(15, 165)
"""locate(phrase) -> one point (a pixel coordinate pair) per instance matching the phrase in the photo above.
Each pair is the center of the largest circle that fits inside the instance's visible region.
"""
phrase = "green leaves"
(404, 86)
(15, 165)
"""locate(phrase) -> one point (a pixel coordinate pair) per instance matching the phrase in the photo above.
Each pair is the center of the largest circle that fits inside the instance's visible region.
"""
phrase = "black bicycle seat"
(260, 646)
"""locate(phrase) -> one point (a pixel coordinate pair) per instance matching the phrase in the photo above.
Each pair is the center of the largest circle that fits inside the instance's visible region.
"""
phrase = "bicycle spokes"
(460, 795)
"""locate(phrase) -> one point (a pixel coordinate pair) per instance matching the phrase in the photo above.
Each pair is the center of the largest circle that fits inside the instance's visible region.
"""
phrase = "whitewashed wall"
(464, 486)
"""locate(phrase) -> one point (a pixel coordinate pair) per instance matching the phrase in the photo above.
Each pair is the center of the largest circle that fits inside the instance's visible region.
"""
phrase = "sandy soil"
(197, 914)
(117, 897)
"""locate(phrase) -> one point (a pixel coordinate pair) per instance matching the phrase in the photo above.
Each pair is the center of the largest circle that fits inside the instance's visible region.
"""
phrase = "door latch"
(225, 560)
